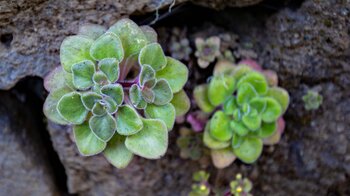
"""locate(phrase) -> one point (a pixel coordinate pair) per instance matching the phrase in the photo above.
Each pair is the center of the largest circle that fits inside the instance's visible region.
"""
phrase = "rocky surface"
(308, 44)
(24, 165)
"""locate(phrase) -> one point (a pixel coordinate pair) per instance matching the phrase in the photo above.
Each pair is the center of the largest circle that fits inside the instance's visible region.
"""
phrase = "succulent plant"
(118, 90)
(207, 50)
(190, 144)
(247, 107)
(201, 185)
(241, 186)
(312, 100)
(180, 49)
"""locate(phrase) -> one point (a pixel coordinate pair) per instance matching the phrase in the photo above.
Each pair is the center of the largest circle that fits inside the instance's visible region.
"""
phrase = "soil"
(306, 42)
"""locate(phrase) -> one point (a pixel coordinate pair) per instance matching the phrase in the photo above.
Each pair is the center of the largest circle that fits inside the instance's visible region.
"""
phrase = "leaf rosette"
(118, 90)
(247, 107)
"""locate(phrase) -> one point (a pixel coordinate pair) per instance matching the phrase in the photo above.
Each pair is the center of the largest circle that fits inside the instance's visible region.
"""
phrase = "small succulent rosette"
(240, 186)
(200, 187)
(247, 108)
(207, 50)
(118, 90)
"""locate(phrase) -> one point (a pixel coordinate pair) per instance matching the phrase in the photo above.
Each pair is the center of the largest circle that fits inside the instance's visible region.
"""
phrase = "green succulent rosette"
(118, 90)
(247, 105)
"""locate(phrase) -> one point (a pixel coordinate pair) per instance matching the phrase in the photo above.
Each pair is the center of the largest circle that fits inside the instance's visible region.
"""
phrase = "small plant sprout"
(118, 91)
(240, 186)
(207, 50)
(312, 100)
(190, 144)
(201, 185)
(246, 106)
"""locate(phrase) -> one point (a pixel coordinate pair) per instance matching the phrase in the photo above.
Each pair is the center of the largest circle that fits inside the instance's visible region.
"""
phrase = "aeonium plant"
(246, 107)
(118, 90)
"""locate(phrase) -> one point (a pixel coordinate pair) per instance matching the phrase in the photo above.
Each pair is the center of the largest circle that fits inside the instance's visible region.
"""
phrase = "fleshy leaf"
(220, 88)
(280, 95)
(136, 97)
(99, 109)
(74, 49)
(175, 73)
(259, 104)
(223, 67)
(107, 46)
(250, 150)
(181, 103)
(147, 73)
(163, 93)
(220, 127)
(166, 113)
(110, 67)
(82, 74)
(211, 142)
(245, 93)
(89, 99)
(252, 120)
(100, 78)
(267, 129)
(128, 121)
(273, 110)
(239, 128)
(151, 142)
(148, 95)
(222, 157)
(150, 33)
(114, 91)
(131, 36)
(55, 79)
(153, 55)
(103, 126)
(92, 31)
(241, 71)
(111, 105)
(71, 108)
(116, 152)
(236, 141)
(230, 105)
(200, 95)
(50, 105)
(257, 80)
(88, 144)
(68, 79)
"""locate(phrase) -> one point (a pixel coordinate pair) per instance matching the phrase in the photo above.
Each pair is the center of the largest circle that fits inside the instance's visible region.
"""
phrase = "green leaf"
(114, 91)
(71, 108)
(107, 46)
(236, 141)
(250, 150)
(153, 55)
(92, 31)
(211, 142)
(99, 109)
(239, 128)
(82, 74)
(222, 157)
(74, 49)
(147, 73)
(166, 113)
(220, 127)
(257, 80)
(110, 67)
(241, 71)
(175, 73)
(200, 95)
(116, 152)
(252, 120)
(267, 129)
(100, 78)
(280, 95)
(148, 95)
(258, 103)
(111, 105)
(230, 105)
(103, 126)
(50, 105)
(88, 144)
(150, 33)
(224, 67)
(245, 93)
(55, 79)
(163, 93)
(151, 142)
(128, 121)
(181, 103)
(131, 36)
(136, 97)
(272, 112)
(68, 79)
(89, 99)
(220, 88)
